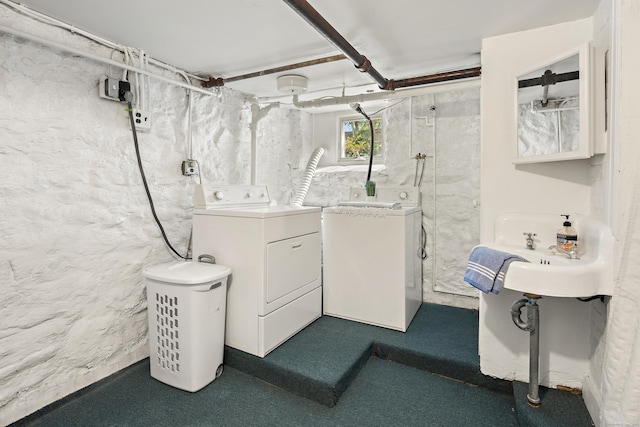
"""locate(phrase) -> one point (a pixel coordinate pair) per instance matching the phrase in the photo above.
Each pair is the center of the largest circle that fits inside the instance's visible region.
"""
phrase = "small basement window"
(355, 139)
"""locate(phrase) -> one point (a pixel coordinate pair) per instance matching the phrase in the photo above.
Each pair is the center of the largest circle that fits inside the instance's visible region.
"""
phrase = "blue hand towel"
(487, 267)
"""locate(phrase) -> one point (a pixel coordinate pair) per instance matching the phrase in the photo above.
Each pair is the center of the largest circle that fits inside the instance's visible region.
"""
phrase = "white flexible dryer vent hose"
(307, 177)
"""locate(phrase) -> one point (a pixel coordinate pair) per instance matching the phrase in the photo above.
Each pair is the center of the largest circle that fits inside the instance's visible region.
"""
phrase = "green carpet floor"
(384, 393)
(335, 372)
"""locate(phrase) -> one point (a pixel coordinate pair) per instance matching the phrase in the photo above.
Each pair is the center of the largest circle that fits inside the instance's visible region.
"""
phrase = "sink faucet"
(530, 244)
(572, 253)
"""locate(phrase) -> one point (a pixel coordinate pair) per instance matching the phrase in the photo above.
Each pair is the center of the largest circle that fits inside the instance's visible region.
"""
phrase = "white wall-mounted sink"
(552, 274)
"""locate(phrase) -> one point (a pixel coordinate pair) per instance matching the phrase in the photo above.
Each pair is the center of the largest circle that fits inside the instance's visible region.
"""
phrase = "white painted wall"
(558, 187)
(600, 172)
(618, 394)
(76, 228)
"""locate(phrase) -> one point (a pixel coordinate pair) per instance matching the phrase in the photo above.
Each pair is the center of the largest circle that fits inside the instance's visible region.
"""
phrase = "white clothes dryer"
(274, 253)
(372, 257)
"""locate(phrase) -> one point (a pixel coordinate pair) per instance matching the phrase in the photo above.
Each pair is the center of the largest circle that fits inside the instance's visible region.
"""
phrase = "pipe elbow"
(516, 312)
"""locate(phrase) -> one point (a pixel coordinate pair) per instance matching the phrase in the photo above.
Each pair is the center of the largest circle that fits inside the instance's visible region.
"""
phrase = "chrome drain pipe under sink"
(532, 325)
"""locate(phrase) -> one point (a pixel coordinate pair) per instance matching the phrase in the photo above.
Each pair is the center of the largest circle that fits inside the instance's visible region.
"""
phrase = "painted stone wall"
(77, 229)
(283, 145)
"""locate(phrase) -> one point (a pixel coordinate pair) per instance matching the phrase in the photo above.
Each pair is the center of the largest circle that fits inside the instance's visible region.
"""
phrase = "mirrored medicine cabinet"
(554, 110)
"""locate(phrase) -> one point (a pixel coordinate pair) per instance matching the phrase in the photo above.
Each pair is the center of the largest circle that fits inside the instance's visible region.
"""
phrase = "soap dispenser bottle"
(567, 237)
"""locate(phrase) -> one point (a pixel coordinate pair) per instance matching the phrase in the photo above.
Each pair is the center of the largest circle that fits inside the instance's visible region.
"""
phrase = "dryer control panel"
(226, 196)
(406, 195)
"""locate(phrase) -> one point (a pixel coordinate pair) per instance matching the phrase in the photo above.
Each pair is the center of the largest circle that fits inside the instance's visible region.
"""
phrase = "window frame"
(340, 140)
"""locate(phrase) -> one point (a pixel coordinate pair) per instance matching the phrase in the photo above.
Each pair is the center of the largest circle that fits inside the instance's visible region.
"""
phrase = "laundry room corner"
(431, 140)
(79, 230)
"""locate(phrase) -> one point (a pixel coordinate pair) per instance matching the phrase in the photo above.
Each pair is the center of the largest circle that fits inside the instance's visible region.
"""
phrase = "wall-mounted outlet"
(112, 89)
(142, 120)
(189, 167)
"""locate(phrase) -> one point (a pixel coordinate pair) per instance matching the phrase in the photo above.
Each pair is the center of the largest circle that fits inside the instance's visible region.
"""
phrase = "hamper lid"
(186, 272)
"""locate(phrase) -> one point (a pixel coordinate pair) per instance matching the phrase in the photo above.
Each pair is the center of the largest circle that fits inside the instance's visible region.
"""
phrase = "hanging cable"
(358, 109)
(422, 251)
(128, 98)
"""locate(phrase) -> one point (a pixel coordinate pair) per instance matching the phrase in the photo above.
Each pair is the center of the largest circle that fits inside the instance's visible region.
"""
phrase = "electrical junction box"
(113, 89)
(189, 167)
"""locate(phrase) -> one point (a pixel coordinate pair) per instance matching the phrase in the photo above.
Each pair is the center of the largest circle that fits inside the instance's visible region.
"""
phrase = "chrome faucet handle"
(572, 253)
(530, 243)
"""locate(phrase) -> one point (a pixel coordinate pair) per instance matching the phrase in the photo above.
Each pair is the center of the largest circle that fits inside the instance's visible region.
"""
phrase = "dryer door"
(292, 264)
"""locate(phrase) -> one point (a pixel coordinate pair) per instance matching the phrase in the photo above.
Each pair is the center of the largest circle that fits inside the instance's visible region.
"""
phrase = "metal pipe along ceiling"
(213, 81)
(306, 11)
(309, 14)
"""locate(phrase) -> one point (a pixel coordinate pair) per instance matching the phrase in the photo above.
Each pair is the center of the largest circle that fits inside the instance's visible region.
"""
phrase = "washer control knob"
(248, 195)
(356, 195)
(404, 195)
(219, 195)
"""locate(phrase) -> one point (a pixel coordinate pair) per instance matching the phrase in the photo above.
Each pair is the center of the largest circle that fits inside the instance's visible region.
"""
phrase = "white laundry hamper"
(186, 311)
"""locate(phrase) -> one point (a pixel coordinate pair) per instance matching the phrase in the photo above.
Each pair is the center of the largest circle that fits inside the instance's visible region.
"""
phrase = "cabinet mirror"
(553, 109)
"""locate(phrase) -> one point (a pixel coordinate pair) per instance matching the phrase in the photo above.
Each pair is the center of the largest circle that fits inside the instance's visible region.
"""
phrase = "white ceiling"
(226, 38)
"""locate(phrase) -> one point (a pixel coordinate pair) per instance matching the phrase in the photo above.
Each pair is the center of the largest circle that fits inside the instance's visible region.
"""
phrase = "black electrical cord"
(422, 252)
(372, 146)
(359, 110)
(144, 179)
(587, 299)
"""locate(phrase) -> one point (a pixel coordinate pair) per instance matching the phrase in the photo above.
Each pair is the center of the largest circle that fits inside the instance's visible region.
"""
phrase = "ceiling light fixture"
(292, 83)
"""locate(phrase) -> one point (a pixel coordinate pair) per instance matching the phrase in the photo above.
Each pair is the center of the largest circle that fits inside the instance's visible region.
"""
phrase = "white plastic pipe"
(378, 96)
(79, 52)
(309, 172)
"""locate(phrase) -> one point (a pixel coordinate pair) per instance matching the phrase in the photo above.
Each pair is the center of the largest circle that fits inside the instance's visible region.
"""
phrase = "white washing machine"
(274, 254)
(372, 257)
